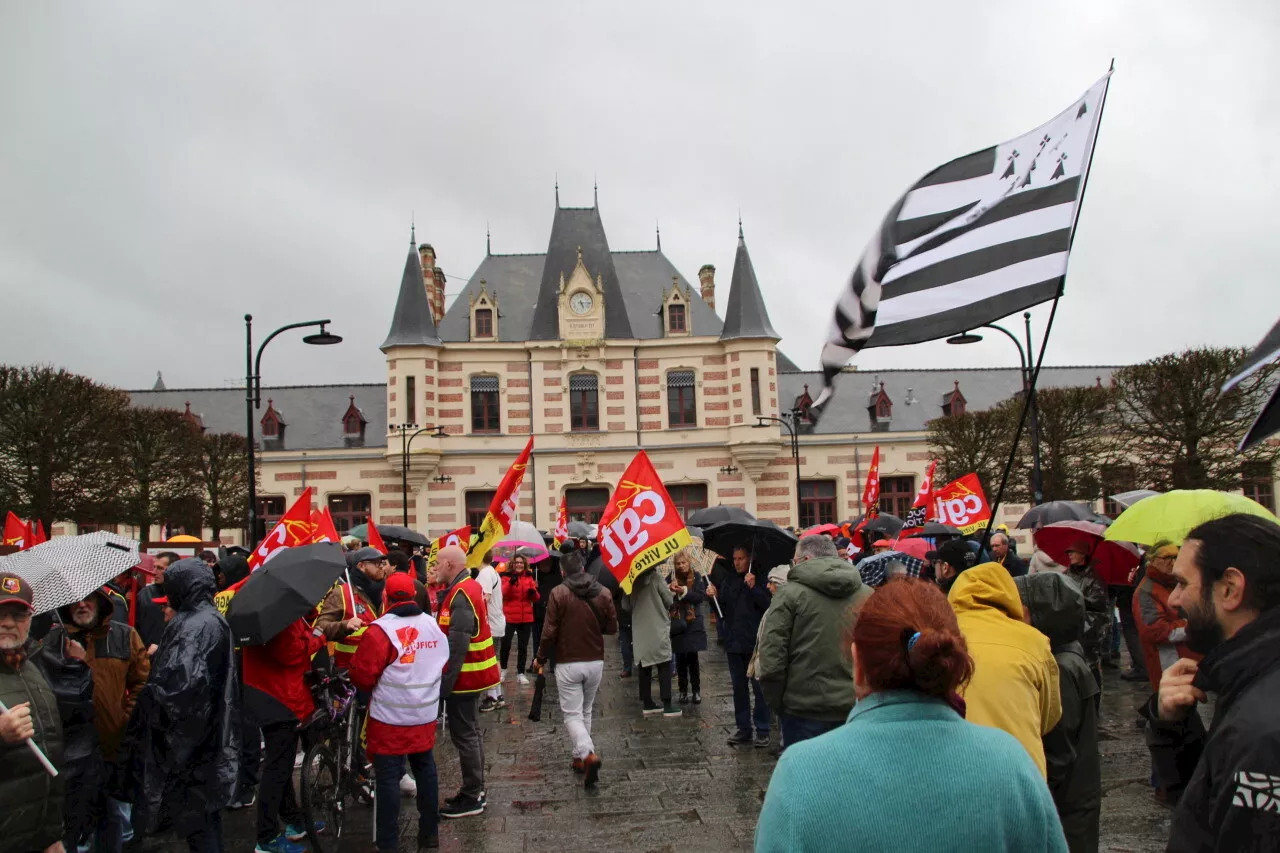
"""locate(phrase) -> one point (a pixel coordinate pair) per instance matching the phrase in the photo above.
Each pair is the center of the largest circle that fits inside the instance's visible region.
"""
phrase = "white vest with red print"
(408, 691)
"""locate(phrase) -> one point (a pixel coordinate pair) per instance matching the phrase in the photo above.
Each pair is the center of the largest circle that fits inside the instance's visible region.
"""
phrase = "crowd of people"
(976, 674)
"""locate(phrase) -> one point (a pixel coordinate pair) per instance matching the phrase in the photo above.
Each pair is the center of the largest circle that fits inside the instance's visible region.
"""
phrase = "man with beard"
(33, 799)
(1227, 578)
(119, 664)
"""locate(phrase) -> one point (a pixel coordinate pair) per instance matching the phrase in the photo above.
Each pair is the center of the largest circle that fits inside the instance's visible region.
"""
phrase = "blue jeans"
(114, 827)
(796, 729)
(624, 646)
(742, 696)
(387, 770)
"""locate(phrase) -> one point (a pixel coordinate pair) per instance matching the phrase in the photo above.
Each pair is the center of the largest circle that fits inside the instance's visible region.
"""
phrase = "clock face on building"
(580, 303)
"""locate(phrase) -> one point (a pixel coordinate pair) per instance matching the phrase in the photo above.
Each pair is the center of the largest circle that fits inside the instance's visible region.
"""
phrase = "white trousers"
(578, 683)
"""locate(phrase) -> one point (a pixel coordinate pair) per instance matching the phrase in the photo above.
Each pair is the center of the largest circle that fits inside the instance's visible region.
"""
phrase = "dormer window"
(484, 314)
(197, 422)
(881, 407)
(953, 402)
(803, 403)
(353, 422)
(675, 308)
(273, 424)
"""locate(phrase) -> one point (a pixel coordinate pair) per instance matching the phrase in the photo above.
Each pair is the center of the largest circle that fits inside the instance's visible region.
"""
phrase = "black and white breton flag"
(976, 239)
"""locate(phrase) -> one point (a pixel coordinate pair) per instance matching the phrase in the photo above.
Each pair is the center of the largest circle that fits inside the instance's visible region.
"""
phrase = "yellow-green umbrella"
(1171, 516)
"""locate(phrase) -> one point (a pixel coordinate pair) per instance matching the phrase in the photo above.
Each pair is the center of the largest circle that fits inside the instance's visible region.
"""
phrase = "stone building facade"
(595, 353)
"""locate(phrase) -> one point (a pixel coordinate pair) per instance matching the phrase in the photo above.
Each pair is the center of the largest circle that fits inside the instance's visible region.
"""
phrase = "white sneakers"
(522, 678)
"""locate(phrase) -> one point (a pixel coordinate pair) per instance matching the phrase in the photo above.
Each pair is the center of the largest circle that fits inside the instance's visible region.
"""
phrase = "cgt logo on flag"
(962, 504)
(640, 527)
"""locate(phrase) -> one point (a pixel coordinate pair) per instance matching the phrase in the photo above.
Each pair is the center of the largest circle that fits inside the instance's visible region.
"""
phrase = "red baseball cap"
(400, 589)
(15, 590)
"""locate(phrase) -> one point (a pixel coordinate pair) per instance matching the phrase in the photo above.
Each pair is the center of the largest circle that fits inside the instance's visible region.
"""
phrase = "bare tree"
(1177, 427)
(224, 473)
(1076, 443)
(60, 445)
(162, 452)
(978, 442)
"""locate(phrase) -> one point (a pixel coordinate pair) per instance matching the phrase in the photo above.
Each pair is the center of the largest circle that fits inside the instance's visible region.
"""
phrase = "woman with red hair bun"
(926, 778)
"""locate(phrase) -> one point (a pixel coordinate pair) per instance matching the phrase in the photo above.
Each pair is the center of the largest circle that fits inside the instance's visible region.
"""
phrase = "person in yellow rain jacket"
(1015, 678)
(348, 610)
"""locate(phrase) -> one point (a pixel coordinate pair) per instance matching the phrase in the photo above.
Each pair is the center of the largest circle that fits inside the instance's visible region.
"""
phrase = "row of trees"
(72, 449)
(1163, 424)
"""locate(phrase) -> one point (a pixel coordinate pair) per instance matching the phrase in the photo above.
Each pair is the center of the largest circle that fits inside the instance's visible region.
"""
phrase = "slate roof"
(313, 413)
(745, 315)
(412, 324)
(527, 287)
(982, 389)
(574, 230)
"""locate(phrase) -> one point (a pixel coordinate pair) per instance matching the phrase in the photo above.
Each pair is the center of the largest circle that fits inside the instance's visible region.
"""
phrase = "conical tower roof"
(412, 324)
(745, 315)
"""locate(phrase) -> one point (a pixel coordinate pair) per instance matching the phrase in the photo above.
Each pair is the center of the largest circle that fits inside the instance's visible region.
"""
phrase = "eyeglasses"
(17, 613)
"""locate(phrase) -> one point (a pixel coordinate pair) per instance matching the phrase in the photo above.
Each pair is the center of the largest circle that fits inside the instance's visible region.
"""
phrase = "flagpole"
(1053, 312)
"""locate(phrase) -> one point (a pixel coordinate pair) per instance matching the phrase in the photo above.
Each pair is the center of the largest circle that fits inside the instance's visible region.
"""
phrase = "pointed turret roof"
(159, 386)
(578, 230)
(744, 314)
(412, 325)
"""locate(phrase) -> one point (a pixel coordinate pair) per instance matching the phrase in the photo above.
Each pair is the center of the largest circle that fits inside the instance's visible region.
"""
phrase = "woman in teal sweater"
(906, 772)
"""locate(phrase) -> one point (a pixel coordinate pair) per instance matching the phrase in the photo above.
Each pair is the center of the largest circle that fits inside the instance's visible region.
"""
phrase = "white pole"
(31, 745)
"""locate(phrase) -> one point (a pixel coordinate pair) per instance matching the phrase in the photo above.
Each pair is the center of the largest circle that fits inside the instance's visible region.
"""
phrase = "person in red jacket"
(1161, 628)
(276, 698)
(519, 593)
(400, 663)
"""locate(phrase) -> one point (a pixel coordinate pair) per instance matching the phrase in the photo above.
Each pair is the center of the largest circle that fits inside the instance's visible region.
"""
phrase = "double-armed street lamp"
(1024, 359)
(408, 432)
(253, 399)
(791, 422)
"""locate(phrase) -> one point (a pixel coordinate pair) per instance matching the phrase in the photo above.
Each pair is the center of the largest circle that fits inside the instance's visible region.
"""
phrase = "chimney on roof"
(707, 280)
(433, 281)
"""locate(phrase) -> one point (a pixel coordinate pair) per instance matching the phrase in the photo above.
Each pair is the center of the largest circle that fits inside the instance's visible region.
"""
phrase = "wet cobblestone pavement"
(674, 784)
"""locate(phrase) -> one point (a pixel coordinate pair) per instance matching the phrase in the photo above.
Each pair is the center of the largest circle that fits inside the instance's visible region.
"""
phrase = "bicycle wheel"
(322, 798)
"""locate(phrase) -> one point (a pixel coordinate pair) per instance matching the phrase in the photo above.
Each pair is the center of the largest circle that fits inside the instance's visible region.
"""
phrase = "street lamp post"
(406, 441)
(791, 422)
(1024, 360)
(253, 399)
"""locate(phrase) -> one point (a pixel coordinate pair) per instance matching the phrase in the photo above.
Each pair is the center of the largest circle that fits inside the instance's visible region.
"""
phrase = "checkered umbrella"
(68, 568)
(877, 568)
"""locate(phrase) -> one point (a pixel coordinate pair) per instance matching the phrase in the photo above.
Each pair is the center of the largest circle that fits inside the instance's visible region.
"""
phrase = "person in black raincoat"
(1055, 604)
(184, 732)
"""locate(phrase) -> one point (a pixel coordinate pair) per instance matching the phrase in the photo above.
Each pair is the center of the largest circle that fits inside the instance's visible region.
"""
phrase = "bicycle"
(329, 777)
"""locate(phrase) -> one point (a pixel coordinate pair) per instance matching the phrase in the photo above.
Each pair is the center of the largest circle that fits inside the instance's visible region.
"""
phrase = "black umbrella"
(718, 515)
(579, 530)
(1054, 511)
(934, 528)
(884, 522)
(286, 588)
(535, 704)
(390, 531)
(770, 545)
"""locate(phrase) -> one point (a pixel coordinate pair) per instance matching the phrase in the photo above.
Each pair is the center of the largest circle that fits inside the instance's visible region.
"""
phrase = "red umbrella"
(1113, 561)
(830, 529)
(912, 547)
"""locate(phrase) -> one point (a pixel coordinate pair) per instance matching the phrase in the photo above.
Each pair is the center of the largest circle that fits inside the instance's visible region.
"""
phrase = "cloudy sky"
(165, 168)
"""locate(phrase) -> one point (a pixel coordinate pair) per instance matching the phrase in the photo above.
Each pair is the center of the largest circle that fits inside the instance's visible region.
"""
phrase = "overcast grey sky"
(166, 167)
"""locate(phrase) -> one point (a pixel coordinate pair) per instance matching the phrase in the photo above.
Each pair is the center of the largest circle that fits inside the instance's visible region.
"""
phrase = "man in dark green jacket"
(803, 662)
(31, 801)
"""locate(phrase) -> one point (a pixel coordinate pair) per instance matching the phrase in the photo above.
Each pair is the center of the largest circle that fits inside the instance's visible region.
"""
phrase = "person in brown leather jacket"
(580, 612)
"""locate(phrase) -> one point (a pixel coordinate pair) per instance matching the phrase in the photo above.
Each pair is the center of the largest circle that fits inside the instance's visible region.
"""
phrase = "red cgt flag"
(374, 537)
(37, 533)
(325, 529)
(16, 532)
(562, 523)
(641, 526)
(922, 510)
(871, 494)
(962, 504)
(502, 509)
(460, 537)
(293, 528)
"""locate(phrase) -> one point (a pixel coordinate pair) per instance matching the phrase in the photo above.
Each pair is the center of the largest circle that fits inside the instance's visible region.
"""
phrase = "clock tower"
(581, 305)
